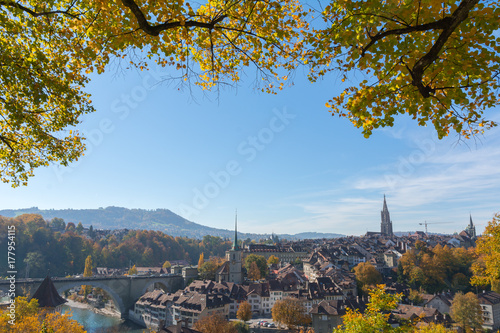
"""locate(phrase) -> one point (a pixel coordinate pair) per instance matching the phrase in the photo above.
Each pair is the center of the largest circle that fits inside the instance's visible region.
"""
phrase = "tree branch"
(6, 141)
(154, 30)
(436, 25)
(37, 14)
(458, 16)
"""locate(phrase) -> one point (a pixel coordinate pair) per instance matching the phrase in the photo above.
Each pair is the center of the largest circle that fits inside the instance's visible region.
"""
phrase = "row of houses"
(324, 300)
(204, 298)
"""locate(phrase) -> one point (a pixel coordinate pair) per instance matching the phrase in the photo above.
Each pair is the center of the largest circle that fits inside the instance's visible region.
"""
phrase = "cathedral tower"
(386, 224)
(471, 229)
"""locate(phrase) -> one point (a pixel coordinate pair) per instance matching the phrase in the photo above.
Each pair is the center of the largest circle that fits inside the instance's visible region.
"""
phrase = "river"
(98, 323)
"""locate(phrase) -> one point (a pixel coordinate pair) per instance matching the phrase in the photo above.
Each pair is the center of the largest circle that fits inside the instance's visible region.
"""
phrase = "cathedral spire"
(235, 243)
(471, 229)
(386, 223)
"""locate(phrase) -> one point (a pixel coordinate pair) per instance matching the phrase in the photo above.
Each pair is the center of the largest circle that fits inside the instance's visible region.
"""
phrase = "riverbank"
(94, 322)
(102, 311)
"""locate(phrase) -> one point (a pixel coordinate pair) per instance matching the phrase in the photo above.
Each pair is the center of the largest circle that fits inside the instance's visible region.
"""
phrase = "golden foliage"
(215, 323)
(487, 268)
(273, 260)
(434, 60)
(132, 270)
(30, 319)
(367, 275)
(466, 311)
(201, 260)
(375, 318)
(291, 313)
(50, 47)
(244, 311)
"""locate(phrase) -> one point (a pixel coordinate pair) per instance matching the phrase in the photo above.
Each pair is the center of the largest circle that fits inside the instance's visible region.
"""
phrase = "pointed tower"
(386, 224)
(235, 242)
(233, 258)
(471, 229)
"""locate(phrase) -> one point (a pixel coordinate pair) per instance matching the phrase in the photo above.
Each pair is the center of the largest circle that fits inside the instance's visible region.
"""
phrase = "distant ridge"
(158, 219)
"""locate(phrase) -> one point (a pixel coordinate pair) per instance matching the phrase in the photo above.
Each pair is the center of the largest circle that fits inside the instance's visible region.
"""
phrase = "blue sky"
(283, 161)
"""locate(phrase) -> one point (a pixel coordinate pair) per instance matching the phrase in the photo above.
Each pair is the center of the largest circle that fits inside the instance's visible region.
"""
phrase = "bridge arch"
(153, 282)
(63, 286)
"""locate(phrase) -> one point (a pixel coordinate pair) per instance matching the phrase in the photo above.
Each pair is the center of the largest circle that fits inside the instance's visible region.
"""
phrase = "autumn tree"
(466, 311)
(31, 319)
(244, 311)
(209, 268)
(415, 297)
(487, 268)
(375, 318)
(87, 273)
(260, 261)
(436, 61)
(367, 275)
(290, 312)
(432, 328)
(201, 260)
(132, 270)
(432, 269)
(273, 260)
(214, 323)
(254, 272)
(166, 264)
(49, 48)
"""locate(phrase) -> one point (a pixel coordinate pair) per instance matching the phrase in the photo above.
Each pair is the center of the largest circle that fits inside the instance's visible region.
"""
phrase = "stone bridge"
(124, 290)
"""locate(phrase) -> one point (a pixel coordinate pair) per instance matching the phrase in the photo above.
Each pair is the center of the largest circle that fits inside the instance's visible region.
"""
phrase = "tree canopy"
(65, 253)
(244, 311)
(49, 48)
(435, 60)
(214, 323)
(31, 319)
(259, 261)
(290, 312)
(376, 317)
(466, 311)
(432, 269)
(487, 268)
(367, 275)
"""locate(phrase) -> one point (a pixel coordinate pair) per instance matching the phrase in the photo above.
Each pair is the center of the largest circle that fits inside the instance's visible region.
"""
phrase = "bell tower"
(233, 257)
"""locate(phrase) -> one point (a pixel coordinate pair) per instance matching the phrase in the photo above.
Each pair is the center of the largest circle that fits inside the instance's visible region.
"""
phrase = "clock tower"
(233, 258)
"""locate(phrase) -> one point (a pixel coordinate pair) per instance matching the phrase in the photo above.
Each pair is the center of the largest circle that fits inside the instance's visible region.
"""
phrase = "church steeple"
(232, 271)
(235, 242)
(386, 223)
(471, 229)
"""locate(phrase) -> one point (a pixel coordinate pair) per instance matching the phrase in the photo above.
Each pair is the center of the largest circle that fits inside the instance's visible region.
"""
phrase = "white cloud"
(437, 181)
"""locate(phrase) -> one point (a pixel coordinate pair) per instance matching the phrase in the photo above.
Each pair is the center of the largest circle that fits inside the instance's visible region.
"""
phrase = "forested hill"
(159, 219)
